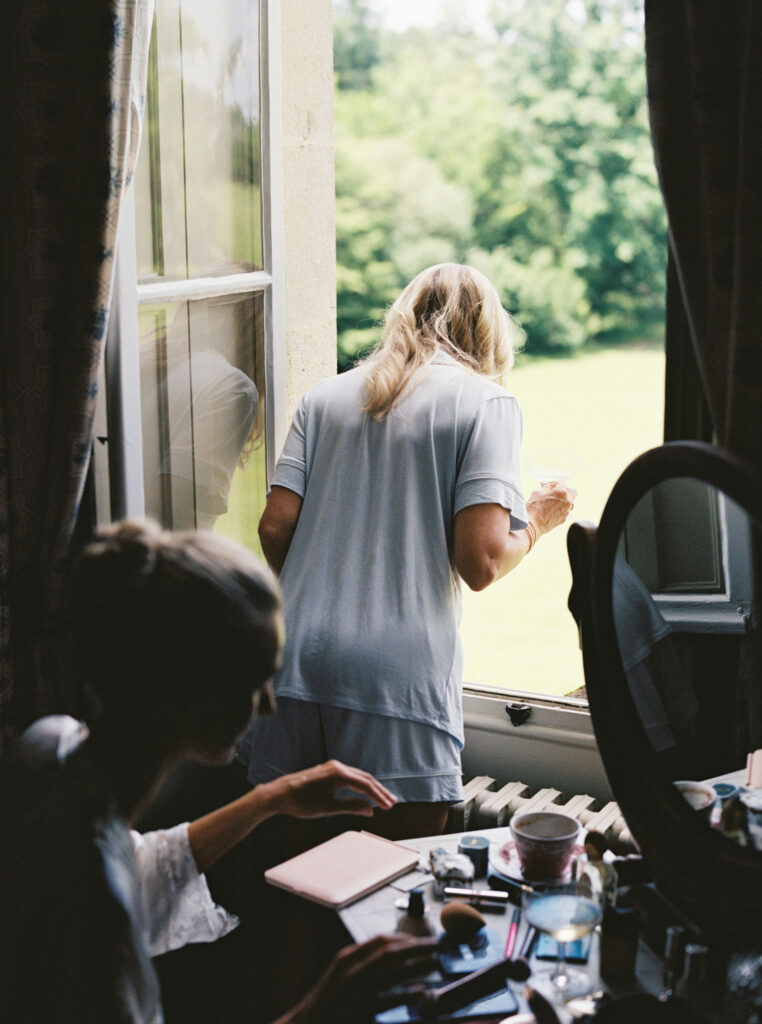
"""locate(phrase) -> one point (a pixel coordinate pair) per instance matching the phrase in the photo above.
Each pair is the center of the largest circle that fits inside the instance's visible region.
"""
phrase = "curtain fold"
(74, 84)
(704, 73)
(686, 413)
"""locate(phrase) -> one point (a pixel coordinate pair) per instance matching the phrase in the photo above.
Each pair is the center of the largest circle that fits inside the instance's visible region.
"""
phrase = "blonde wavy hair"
(449, 307)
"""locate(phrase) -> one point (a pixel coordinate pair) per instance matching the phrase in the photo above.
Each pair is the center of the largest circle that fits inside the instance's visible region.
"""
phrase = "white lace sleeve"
(176, 902)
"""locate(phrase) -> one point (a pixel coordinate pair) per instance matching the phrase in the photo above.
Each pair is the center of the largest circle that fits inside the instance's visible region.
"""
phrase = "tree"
(388, 228)
(526, 151)
(356, 44)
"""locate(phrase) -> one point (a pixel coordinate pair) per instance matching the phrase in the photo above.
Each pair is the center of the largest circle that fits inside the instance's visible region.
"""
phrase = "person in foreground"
(175, 636)
(397, 480)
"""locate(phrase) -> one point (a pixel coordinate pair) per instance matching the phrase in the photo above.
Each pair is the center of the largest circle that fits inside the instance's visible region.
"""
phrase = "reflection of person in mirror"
(175, 635)
(660, 689)
(397, 480)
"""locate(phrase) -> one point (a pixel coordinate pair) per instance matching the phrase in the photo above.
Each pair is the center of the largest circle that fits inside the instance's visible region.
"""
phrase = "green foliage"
(546, 295)
(526, 151)
(355, 44)
(390, 229)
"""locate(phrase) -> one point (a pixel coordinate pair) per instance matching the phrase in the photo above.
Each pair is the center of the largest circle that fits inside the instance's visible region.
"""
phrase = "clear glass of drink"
(551, 465)
(565, 911)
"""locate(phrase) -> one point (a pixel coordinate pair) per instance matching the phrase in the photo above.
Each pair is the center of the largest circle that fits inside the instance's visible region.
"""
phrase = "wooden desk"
(376, 914)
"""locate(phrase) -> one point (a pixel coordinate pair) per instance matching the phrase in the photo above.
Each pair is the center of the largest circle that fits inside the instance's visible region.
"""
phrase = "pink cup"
(544, 843)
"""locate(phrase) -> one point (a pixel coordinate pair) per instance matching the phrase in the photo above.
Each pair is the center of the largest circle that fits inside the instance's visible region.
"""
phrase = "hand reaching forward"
(550, 505)
(330, 788)
(348, 993)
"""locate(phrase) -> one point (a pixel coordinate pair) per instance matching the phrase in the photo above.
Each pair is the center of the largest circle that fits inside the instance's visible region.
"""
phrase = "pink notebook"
(344, 868)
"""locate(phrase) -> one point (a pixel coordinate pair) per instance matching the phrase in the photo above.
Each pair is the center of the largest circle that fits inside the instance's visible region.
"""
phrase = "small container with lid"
(476, 848)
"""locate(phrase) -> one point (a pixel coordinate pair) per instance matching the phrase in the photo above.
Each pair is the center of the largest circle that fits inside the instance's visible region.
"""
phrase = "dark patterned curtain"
(704, 70)
(73, 88)
(704, 66)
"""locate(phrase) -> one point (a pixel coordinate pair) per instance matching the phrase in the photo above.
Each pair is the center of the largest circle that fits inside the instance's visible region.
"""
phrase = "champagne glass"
(549, 464)
(565, 912)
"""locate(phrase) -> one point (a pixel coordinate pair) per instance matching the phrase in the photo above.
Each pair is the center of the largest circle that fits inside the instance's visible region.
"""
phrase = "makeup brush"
(543, 1010)
(431, 1003)
(474, 986)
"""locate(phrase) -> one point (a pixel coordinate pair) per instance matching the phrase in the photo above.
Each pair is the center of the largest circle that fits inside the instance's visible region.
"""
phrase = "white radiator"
(485, 805)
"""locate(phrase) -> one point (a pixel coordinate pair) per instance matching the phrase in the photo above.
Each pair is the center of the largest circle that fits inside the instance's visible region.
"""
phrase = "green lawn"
(606, 405)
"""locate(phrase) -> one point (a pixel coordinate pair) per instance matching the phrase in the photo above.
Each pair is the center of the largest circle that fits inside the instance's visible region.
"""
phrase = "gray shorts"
(413, 760)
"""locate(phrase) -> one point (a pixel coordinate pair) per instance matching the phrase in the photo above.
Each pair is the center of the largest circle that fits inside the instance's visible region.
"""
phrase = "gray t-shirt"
(371, 595)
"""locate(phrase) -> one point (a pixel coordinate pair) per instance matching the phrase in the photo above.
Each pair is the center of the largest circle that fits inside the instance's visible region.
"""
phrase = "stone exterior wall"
(308, 187)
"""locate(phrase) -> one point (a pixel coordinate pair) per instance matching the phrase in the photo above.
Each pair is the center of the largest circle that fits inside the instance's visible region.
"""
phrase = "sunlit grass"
(246, 502)
(606, 405)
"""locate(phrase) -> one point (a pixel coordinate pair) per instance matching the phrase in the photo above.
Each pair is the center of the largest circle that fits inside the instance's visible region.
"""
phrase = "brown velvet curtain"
(68, 136)
(704, 70)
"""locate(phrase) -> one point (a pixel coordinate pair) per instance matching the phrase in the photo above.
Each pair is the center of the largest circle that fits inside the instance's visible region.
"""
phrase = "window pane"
(673, 541)
(202, 386)
(197, 184)
(607, 407)
(514, 136)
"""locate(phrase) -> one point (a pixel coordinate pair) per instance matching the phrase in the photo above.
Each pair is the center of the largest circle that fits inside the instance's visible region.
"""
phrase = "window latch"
(518, 713)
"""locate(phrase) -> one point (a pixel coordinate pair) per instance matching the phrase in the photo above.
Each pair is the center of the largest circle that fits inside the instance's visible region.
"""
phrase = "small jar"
(476, 848)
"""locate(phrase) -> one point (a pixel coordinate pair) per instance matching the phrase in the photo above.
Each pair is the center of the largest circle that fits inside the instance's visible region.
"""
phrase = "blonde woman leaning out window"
(397, 480)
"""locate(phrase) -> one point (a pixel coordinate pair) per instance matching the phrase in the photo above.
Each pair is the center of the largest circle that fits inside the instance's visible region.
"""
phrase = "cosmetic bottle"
(414, 920)
(692, 984)
(674, 952)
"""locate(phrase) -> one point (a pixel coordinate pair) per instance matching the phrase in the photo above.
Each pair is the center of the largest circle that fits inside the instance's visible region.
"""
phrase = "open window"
(515, 137)
(195, 388)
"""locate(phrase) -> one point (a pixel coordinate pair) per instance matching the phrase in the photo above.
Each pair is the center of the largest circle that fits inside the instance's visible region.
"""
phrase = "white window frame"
(732, 611)
(118, 460)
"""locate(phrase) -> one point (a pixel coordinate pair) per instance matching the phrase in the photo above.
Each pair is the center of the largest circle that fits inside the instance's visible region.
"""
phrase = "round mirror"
(675, 675)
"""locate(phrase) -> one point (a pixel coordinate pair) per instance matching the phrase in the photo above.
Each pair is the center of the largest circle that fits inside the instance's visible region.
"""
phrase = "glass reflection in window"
(202, 383)
(197, 184)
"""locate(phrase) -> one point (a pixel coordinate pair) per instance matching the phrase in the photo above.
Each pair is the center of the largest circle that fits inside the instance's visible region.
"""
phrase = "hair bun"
(135, 543)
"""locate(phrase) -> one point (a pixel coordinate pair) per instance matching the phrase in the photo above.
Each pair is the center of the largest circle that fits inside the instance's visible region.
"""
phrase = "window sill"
(538, 700)
(555, 746)
(718, 617)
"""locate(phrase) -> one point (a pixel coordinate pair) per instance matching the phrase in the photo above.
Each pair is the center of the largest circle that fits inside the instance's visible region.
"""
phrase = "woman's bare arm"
(312, 793)
(484, 546)
(277, 525)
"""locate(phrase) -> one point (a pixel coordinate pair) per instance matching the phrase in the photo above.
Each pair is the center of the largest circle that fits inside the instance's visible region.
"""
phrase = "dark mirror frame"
(716, 883)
